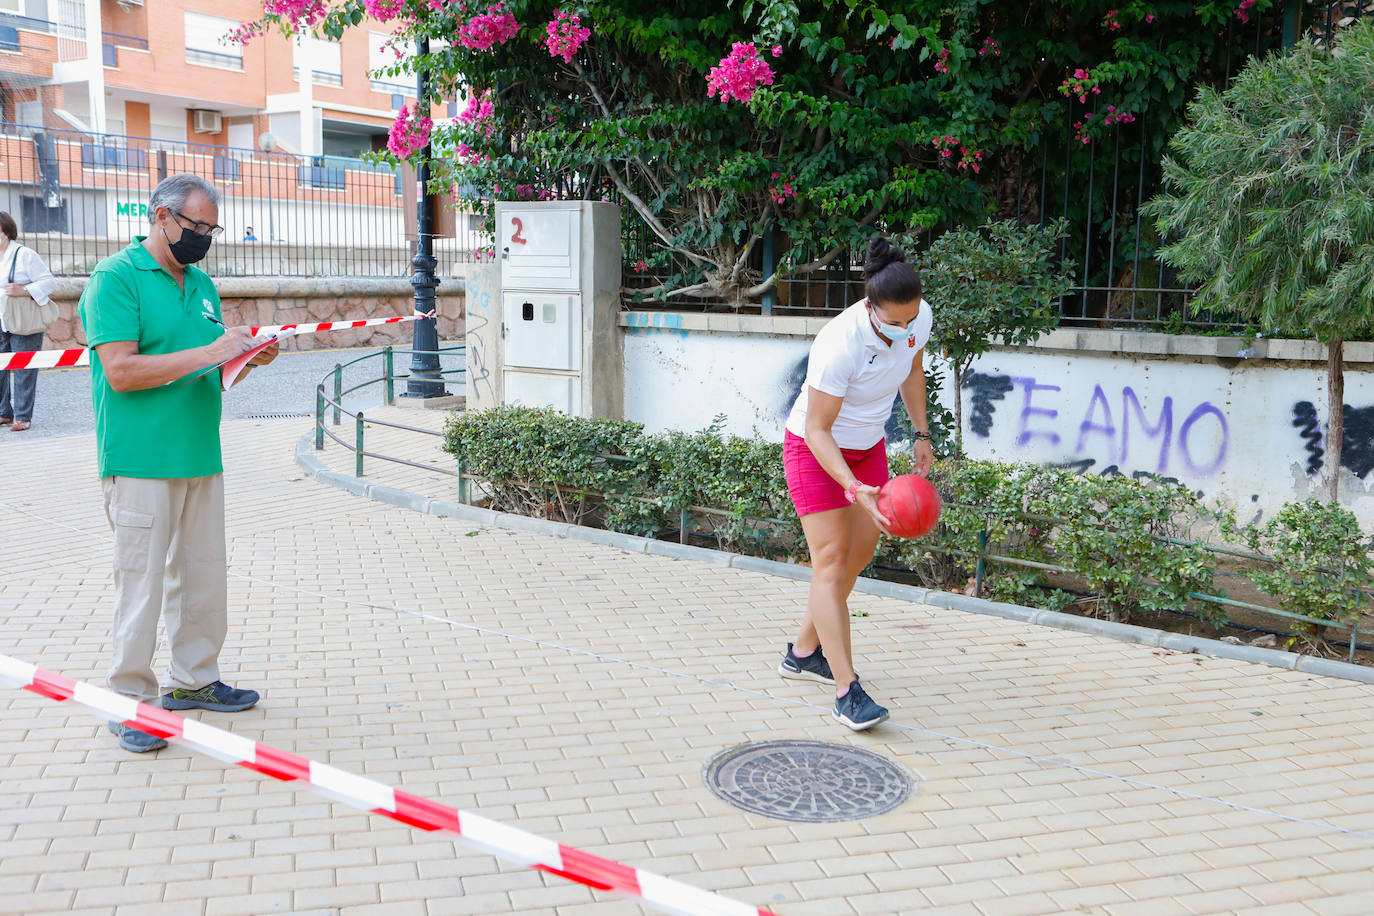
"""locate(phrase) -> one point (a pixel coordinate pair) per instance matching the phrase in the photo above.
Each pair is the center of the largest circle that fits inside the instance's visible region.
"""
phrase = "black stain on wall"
(796, 378)
(792, 385)
(986, 389)
(1357, 445)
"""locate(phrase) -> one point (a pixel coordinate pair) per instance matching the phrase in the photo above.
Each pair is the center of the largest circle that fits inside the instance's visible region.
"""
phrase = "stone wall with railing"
(263, 301)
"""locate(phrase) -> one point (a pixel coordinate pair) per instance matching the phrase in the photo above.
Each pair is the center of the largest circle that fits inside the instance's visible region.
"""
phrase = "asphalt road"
(62, 406)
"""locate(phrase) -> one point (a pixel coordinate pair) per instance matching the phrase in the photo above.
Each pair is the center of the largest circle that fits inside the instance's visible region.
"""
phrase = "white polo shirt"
(849, 360)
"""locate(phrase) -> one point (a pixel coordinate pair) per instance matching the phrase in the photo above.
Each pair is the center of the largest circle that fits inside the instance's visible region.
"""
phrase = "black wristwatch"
(920, 434)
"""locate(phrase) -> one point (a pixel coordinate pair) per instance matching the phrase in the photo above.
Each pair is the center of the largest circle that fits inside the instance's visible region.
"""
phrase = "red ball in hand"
(910, 504)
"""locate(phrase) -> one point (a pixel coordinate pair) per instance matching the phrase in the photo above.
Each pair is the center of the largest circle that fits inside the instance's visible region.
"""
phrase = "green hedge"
(1131, 544)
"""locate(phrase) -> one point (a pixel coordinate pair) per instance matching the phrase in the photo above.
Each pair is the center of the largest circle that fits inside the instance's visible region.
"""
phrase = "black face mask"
(190, 248)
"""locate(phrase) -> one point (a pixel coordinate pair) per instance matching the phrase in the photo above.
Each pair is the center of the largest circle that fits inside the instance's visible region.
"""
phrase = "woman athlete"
(835, 457)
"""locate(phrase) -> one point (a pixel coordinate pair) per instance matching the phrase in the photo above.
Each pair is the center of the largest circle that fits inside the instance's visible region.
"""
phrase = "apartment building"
(100, 99)
(159, 69)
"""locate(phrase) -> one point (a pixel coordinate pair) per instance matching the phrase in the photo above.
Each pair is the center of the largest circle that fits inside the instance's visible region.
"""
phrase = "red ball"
(910, 504)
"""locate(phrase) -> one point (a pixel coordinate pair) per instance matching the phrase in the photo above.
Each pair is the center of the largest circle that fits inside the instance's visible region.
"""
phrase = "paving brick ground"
(576, 690)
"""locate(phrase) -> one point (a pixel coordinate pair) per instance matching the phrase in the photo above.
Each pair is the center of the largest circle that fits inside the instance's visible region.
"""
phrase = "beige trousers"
(169, 560)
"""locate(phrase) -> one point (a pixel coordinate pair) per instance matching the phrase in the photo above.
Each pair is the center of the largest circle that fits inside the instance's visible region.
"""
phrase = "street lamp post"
(425, 379)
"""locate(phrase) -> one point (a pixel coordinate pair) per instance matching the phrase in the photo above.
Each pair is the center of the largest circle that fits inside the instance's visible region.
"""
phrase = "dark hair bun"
(881, 253)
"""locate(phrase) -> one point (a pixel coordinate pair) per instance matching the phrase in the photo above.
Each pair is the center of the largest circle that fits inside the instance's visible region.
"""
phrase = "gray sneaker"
(812, 668)
(131, 739)
(857, 710)
(216, 697)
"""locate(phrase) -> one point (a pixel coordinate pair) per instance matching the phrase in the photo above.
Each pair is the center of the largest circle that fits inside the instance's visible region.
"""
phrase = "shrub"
(1319, 563)
(1126, 541)
(536, 460)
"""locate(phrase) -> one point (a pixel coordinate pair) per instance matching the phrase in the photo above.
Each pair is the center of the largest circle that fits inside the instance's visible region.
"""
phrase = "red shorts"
(814, 490)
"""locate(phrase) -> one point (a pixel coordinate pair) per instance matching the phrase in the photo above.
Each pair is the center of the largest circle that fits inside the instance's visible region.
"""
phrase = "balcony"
(214, 59)
(26, 23)
(320, 77)
(111, 42)
(322, 176)
(386, 87)
(116, 158)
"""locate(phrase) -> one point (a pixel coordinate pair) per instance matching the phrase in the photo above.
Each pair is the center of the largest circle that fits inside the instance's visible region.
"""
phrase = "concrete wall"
(263, 301)
(1246, 431)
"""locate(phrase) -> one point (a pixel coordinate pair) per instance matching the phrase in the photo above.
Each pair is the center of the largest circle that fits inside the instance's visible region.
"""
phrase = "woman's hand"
(922, 457)
(867, 497)
(14, 289)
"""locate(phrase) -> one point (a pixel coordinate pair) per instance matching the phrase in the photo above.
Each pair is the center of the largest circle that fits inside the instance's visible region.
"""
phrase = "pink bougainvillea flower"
(565, 35)
(777, 50)
(300, 13)
(641, 266)
(1243, 11)
(479, 113)
(942, 62)
(1081, 84)
(740, 74)
(384, 10)
(494, 27)
(410, 132)
(245, 33)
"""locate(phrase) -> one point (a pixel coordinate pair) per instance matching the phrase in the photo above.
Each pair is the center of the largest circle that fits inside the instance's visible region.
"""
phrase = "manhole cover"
(812, 781)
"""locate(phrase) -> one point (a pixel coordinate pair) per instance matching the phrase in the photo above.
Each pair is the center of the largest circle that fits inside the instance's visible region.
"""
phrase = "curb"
(1121, 632)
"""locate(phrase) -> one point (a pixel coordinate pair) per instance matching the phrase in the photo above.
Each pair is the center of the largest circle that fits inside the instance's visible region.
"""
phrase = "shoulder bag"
(22, 314)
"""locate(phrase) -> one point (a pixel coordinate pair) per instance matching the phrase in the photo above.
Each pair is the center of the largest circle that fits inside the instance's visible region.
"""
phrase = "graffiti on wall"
(1357, 445)
(1180, 437)
(792, 386)
(478, 364)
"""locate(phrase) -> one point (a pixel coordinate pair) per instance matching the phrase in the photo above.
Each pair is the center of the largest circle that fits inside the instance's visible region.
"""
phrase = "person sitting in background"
(248, 235)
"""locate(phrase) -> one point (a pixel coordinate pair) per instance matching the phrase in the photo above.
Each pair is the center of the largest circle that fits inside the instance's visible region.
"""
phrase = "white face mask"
(893, 332)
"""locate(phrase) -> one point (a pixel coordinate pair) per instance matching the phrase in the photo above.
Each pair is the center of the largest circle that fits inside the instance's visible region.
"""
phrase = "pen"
(214, 319)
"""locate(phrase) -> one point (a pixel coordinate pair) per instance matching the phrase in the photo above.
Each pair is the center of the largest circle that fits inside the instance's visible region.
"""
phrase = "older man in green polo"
(153, 324)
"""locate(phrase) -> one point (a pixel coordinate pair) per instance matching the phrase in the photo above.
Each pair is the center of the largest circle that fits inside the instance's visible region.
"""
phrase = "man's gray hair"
(172, 191)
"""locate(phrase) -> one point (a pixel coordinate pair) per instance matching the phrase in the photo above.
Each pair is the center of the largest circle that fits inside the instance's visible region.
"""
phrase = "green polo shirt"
(171, 430)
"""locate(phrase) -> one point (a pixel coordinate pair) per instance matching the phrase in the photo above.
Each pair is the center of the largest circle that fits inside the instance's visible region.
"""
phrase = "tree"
(998, 283)
(1270, 201)
(720, 125)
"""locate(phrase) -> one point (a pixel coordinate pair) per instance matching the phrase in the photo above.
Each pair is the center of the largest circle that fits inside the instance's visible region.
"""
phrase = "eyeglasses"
(198, 227)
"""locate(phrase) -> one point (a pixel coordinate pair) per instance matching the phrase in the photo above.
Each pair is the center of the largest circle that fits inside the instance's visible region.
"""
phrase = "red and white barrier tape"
(81, 356)
(508, 843)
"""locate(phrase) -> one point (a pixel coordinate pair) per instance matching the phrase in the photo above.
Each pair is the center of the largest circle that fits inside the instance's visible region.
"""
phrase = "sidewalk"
(577, 691)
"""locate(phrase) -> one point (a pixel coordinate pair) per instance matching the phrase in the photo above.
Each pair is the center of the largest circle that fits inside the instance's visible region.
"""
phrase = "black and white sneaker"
(812, 668)
(857, 710)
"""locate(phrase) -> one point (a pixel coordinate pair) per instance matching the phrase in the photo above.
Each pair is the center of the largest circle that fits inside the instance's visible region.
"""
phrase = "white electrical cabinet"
(560, 281)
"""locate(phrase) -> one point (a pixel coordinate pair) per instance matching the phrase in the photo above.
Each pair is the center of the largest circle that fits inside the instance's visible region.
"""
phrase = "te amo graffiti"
(1128, 436)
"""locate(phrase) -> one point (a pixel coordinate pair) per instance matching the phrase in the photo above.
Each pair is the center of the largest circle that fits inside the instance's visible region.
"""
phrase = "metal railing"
(214, 59)
(325, 403)
(985, 553)
(79, 197)
(27, 23)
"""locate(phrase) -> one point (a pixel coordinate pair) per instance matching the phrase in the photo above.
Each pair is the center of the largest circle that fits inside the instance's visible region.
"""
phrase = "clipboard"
(231, 368)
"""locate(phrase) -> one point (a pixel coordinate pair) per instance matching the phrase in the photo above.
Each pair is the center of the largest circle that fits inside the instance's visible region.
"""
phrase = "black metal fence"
(1099, 188)
(79, 197)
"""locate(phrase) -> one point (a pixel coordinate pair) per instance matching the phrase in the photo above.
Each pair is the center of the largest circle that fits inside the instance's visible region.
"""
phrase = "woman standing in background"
(25, 276)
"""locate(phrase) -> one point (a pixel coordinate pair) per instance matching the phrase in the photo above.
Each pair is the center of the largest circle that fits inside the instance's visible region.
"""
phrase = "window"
(380, 56)
(326, 67)
(12, 6)
(203, 45)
